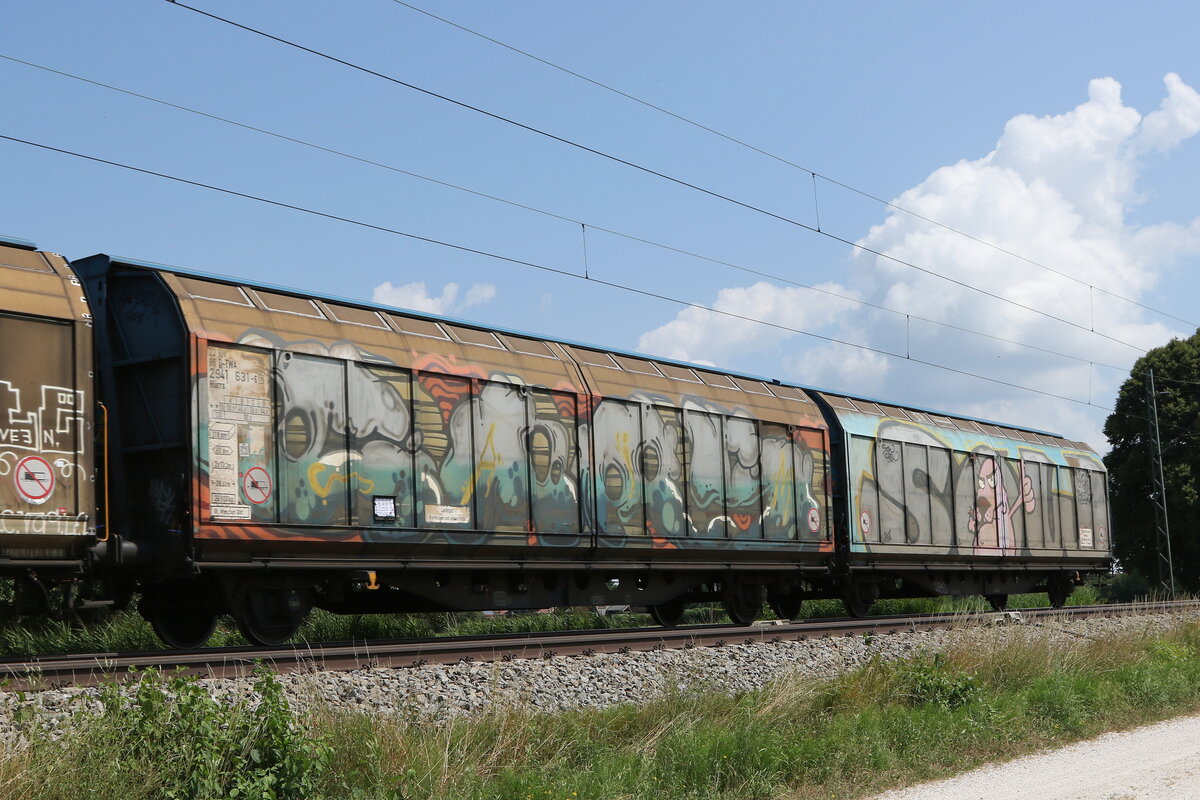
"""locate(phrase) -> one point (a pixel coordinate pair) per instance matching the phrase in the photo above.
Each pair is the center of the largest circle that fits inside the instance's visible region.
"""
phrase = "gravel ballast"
(561, 683)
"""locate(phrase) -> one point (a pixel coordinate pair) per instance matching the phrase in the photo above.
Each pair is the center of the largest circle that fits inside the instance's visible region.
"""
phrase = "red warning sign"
(256, 485)
(814, 520)
(864, 520)
(35, 479)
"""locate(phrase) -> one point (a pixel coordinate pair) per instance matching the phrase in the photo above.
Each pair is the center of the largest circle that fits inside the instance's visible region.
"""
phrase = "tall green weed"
(167, 737)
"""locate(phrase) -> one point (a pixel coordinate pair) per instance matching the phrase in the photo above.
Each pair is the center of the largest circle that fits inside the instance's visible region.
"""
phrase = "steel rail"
(87, 669)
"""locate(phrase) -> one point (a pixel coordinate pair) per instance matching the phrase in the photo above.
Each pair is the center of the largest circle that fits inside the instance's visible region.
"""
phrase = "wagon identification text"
(239, 415)
(447, 515)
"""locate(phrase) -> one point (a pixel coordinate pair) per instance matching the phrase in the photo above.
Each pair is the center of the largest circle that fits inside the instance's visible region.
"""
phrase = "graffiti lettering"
(56, 426)
(465, 453)
(55, 524)
(925, 486)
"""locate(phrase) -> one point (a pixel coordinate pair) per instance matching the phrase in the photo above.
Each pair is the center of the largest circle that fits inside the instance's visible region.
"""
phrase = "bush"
(169, 738)
(926, 680)
(1124, 588)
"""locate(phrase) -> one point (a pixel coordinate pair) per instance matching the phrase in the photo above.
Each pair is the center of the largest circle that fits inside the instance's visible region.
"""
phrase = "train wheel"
(1059, 588)
(858, 597)
(266, 634)
(181, 612)
(742, 603)
(668, 614)
(998, 602)
(180, 627)
(271, 617)
(30, 597)
(786, 605)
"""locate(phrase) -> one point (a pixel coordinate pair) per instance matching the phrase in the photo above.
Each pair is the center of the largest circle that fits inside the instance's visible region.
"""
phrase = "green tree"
(1176, 368)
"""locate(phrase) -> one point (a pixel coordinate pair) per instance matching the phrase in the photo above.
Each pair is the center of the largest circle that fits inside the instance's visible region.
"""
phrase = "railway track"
(32, 672)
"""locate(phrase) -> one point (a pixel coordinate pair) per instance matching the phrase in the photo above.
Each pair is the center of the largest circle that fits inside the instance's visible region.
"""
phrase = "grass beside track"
(996, 694)
(126, 630)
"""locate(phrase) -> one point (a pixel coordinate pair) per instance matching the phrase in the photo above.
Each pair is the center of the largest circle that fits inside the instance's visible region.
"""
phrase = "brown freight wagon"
(47, 455)
(272, 451)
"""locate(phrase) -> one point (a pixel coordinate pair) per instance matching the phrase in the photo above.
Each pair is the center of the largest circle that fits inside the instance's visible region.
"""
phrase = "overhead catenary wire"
(778, 158)
(645, 169)
(553, 215)
(544, 268)
(1158, 378)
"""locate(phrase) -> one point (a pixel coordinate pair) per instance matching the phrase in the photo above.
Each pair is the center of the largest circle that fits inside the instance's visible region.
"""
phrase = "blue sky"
(1064, 133)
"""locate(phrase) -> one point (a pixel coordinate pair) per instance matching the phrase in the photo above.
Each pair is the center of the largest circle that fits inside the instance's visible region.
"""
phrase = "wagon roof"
(628, 354)
(863, 416)
(37, 283)
(13, 241)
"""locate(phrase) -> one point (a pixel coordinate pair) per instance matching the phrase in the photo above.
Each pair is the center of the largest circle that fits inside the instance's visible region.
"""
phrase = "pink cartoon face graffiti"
(990, 521)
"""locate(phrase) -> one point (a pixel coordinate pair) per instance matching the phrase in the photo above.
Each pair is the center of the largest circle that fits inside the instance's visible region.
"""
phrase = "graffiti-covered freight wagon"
(48, 520)
(940, 504)
(295, 451)
(264, 452)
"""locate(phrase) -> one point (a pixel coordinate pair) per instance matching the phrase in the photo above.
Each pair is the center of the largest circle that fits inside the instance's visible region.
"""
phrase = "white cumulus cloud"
(416, 296)
(1056, 191)
(1178, 118)
(702, 336)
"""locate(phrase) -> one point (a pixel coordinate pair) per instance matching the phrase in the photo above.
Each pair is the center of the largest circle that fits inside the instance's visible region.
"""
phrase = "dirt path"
(1157, 761)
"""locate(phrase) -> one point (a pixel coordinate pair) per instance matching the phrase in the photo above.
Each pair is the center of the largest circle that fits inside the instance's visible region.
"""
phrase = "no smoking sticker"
(864, 520)
(256, 485)
(814, 520)
(35, 479)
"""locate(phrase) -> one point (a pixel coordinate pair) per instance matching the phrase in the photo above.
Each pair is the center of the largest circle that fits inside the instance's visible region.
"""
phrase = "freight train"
(215, 447)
